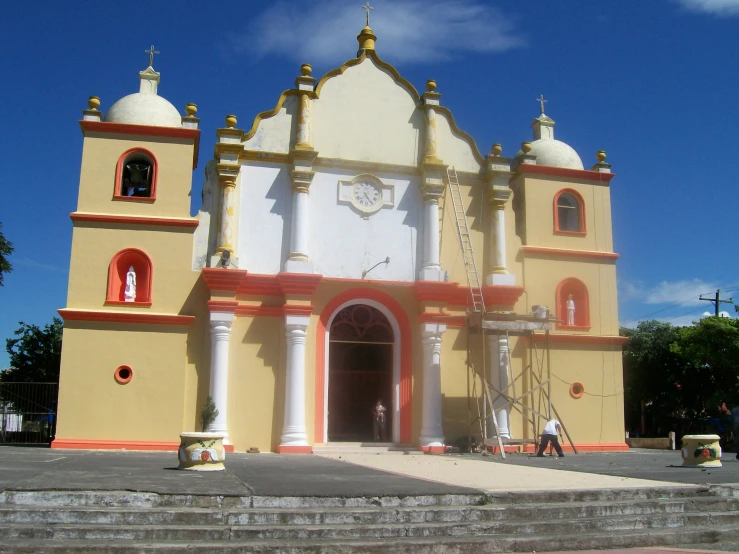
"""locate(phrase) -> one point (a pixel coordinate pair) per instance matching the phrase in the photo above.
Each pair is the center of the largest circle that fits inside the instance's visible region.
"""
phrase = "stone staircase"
(57, 521)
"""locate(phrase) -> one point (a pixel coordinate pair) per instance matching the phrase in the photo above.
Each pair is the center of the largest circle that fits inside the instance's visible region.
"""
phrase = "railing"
(28, 412)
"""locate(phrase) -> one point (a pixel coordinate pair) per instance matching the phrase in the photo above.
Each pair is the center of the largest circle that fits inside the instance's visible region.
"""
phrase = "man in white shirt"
(551, 430)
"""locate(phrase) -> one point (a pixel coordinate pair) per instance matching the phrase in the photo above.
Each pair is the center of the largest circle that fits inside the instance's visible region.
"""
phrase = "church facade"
(325, 271)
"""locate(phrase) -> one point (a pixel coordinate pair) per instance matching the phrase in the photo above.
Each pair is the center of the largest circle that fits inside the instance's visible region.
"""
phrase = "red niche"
(117, 272)
(123, 374)
(575, 290)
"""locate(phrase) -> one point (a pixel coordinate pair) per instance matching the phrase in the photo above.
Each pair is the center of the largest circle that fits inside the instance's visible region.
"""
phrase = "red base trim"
(135, 220)
(85, 444)
(433, 449)
(588, 447)
(287, 449)
(125, 317)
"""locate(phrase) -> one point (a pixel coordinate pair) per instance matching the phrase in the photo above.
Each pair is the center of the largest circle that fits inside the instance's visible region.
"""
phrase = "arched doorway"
(360, 371)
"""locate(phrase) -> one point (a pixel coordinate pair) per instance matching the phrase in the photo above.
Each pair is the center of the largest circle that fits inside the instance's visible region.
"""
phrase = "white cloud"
(671, 292)
(715, 7)
(417, 31)
(27, 262)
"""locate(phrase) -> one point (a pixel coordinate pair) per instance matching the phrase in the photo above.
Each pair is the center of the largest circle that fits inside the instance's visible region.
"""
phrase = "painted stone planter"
(201, 451)
(701, 451)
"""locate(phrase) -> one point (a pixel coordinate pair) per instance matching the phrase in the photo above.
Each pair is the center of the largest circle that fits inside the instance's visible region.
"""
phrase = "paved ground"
(260, 474)
(662, 465)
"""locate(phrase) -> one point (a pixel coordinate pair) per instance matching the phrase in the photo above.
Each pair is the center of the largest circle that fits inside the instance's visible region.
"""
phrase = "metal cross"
(542, 102)
(368, 8)
(151, 53)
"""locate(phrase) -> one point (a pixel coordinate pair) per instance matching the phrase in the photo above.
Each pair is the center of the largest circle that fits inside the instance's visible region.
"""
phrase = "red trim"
(581, 339)
(220, 278)
(375, 282)
(118, 183)
(433, 449)
(260, 285)
(146, 131)
(582, 174)
(117, 271)
(222, 306)
(581, 214)
(117, 374)
(297, 309)
(406, 357)
(574, 387)
(575, 287)
(566, 253)
(125, 317)
(250, 310)
(494, 295)
(452, 321)
(303, 284)
(287, 449)
(86, 444)
(435, 291)
(588, 447)
(135, 220)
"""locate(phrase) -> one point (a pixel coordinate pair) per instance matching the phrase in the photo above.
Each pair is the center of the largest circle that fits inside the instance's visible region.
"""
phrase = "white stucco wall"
(265, 209)
(344, 242)
(365, 115)
(275, 133)
(453, 149)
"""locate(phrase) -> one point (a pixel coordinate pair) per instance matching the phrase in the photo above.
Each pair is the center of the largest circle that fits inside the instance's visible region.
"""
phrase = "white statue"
(570, 310)
(129, 294)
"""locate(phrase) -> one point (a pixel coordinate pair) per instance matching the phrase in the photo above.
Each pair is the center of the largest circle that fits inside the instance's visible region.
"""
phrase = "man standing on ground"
(551, 430)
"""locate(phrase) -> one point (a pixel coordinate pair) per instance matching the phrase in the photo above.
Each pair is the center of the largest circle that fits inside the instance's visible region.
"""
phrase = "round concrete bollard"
(201, 451)
(701, 451)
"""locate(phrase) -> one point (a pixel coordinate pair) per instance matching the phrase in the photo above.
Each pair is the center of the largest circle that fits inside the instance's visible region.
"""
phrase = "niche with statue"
(130, 278)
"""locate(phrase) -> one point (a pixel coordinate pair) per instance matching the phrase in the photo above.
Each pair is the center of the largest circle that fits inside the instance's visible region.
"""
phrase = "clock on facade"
(366, 193)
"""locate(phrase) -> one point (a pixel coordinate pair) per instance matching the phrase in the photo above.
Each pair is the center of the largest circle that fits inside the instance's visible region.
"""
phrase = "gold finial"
(93, 102)
(526, 147)
(496, 149)
(431, 85)
(306, 69)
(231, 121)
(191, 109)
(601, 156)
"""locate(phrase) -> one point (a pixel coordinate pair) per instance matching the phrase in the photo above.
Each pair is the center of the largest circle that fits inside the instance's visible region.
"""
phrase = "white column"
(498, 235)
(293, 431)
(300, 224)
(226, 226)
(220, 335)
(499, 370)
(431, 232)
(432, 433)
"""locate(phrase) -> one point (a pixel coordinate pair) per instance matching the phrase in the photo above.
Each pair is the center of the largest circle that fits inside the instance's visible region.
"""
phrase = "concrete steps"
(120, 521)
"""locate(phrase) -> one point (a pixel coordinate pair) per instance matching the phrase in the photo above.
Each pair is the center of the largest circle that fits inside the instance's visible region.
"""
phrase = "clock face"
(366, 195)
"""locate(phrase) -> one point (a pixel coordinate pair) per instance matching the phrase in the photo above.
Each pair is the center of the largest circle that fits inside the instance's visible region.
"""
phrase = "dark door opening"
(360, 372)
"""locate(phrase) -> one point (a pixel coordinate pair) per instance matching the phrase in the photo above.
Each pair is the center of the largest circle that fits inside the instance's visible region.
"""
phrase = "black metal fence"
(28, 412)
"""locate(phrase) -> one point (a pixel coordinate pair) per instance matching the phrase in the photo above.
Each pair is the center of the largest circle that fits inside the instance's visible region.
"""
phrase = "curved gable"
(366, 111)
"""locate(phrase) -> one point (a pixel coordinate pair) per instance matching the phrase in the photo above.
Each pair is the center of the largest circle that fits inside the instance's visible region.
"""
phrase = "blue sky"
(654, 83)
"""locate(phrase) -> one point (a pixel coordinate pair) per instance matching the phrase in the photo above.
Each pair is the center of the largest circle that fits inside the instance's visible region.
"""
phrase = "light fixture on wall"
(385, 261)
(225, 258)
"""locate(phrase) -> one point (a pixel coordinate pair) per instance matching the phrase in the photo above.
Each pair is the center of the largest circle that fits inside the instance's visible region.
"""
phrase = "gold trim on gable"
(384, 65)
(461, 134)
(269, 113)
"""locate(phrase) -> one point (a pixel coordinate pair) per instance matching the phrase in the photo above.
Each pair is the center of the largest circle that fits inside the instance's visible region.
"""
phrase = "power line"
(717, 301)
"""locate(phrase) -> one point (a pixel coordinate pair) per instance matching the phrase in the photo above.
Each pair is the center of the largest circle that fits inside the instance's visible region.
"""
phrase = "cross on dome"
(542, 102)
(367, 7)
(151, 53)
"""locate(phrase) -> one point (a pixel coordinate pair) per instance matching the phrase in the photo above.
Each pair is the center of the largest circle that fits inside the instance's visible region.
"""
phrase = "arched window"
(569, 213)
(573, 305)
(130, 278)
(136, 176)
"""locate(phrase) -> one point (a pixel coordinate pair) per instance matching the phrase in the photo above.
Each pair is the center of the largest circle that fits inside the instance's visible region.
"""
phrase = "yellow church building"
(353, 245)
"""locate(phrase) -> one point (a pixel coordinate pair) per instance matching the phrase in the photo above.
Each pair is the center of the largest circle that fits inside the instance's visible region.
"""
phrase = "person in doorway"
(551, 430)
(378, 420)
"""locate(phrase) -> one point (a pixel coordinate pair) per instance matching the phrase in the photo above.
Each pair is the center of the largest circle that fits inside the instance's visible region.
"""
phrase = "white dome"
(554, 153)
(144, 109)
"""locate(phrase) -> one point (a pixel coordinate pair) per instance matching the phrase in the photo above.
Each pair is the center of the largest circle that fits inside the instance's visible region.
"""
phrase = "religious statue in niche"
(570, 310)
(129, 293)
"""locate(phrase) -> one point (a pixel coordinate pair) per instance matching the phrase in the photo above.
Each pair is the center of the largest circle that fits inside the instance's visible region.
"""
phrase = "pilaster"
(432, 432)
(498, 194)
(220, 336)
(294, 437)
(227, 151)
(498, 349)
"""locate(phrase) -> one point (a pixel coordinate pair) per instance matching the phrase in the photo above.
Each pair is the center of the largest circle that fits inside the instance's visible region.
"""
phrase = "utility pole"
(717, 301)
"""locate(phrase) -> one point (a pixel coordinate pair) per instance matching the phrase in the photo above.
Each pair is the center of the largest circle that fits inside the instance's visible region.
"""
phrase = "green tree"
(654, 378)
(35, 353)
(712, 349)
(6, 249)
